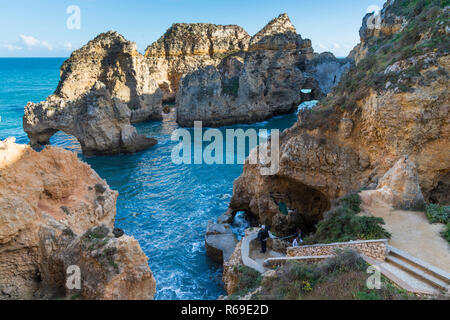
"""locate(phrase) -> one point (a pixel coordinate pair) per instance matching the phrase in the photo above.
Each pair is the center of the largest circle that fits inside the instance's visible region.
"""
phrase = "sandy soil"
(411, 232)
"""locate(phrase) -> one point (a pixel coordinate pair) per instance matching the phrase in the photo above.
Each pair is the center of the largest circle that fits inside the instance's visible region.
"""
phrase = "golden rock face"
(187, 47)
(335, 150)
(48, 201)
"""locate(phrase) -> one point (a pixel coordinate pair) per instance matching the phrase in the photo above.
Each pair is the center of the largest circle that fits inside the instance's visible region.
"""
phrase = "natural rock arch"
(98, 121)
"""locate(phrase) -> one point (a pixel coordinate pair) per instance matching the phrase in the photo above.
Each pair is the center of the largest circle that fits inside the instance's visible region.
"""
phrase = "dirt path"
(411, 232)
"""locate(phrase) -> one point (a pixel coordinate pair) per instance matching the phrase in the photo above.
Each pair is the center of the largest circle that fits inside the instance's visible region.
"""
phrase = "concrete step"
(407, 280)
(402, 278)
(419, 264)
(418, 272)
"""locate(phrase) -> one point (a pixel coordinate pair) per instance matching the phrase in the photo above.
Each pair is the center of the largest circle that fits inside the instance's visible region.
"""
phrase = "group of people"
(263, 236)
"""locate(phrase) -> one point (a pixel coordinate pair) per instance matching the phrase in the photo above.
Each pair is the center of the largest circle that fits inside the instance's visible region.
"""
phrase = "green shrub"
(446, 234)
(351, 201)
(292, 281)
(342, 223)
(231, 86)
(345, 261)
(372, 295)
(99, 232)
(438, 214)
(341, 277)
(248, 279)
(68, 232)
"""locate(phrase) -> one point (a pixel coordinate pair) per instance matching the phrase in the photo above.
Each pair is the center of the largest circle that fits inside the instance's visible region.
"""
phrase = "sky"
(55, 28)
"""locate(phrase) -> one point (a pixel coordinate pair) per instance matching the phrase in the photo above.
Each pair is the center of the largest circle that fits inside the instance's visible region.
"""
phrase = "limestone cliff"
(187, 47)
(253, 85)
(393, 103)
(56, 212)
(104, 86)
(218, 74)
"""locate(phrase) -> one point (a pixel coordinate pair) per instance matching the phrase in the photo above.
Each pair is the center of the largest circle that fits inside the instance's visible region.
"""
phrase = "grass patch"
(248, 280)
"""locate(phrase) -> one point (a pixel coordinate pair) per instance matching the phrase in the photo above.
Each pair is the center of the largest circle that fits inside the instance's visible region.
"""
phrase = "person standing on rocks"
(263, 235)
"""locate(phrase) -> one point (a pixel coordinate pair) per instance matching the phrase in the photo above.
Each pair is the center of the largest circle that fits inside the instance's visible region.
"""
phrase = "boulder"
(226, 218)
(400, 185)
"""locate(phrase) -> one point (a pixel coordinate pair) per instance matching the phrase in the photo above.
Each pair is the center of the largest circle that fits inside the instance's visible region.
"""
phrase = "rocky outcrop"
(249, 86)
(220, 241)
(399, 187)
(100, 122)
(56, 213)
(327, 70)
(217, 74)
(188, 47)
(375, 26)
(381, 110)
(230, 276)
(105, 86)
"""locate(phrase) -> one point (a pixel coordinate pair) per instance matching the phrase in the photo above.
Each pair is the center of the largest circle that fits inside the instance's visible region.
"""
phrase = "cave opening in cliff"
(298, 206)
(288, 206)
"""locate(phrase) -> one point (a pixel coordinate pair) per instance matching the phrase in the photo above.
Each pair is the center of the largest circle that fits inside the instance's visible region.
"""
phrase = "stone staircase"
(408, 272)
(414, 274)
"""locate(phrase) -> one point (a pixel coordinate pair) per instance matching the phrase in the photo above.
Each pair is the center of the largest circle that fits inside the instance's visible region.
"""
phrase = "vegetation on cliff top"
(424, 33)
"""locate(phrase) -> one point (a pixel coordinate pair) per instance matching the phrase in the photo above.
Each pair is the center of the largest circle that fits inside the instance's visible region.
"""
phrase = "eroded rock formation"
(399, 188)
(381, 110)
(188, 47)
(56, 212)
(248, 86)
(217, 74)
(105, 86)
(264, 81)
(327, 70)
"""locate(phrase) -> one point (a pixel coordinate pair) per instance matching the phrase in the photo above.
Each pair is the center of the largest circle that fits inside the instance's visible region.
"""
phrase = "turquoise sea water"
(165, 206)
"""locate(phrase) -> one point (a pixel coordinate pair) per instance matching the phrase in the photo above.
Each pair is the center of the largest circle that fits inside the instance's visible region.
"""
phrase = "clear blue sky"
(31, 28)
